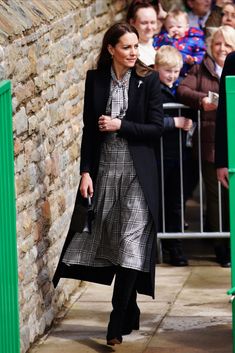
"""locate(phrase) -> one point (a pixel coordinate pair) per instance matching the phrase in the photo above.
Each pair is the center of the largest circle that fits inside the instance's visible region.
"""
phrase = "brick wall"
(46, 49)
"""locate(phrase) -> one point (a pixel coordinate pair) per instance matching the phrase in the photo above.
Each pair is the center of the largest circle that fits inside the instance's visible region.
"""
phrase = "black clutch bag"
(82, 216)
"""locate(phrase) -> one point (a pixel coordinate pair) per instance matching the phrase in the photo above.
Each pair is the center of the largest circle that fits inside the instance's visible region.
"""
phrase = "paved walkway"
(191, 314)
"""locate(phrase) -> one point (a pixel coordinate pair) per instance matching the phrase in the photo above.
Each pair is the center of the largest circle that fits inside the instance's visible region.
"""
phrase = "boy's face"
(168, 75)
(176, 27)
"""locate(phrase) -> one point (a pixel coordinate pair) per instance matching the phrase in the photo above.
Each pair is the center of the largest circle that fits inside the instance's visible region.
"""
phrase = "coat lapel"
(136, 86)
(102, 86)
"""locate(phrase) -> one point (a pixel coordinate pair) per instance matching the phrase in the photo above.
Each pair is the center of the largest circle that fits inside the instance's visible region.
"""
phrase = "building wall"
(46, 48)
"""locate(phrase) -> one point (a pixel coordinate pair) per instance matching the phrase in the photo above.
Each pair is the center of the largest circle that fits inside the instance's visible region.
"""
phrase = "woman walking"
(123, 120)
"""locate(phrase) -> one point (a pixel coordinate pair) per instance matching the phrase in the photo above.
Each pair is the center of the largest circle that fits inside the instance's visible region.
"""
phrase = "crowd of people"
(204, 34)
(159, 55)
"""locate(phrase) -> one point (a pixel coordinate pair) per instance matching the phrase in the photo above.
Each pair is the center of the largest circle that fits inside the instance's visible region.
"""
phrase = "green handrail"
(230, 100)
(9, 313)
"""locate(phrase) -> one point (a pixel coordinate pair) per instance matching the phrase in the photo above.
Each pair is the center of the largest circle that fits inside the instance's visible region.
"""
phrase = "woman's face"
(229, 15)
(145, 23)
(220, 49)
(125, 52)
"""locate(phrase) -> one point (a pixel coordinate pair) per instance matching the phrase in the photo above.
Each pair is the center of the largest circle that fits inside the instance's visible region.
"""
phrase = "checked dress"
(122, 229)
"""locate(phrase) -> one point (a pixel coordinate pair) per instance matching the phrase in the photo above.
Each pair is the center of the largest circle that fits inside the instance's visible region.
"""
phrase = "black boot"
(177, 257)
(123, 289)
(222, 253)
(174, 252)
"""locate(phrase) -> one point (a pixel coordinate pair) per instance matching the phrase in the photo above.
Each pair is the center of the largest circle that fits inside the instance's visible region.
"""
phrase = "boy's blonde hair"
(168, 56)
(175, 13)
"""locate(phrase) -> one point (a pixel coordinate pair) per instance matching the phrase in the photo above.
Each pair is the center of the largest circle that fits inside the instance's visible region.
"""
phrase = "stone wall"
(46, 48)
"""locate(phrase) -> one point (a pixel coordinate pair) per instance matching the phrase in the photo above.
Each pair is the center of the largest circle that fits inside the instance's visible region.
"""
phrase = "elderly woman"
(193, 91)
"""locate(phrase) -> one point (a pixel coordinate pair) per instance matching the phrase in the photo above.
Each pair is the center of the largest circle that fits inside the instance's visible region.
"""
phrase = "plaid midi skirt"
(122, 229)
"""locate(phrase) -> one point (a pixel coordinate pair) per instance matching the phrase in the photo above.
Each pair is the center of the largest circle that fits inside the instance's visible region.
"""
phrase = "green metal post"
(230, 100)
(9, 313)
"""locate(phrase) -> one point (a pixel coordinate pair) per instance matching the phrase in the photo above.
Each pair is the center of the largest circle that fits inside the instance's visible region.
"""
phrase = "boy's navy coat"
(142, 128)
(171, 134)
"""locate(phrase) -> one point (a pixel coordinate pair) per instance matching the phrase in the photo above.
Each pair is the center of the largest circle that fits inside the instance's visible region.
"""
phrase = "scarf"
(118, 98)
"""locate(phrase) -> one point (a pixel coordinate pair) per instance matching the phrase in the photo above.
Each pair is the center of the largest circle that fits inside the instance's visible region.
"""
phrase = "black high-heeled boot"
(123, 288)
(114, 334)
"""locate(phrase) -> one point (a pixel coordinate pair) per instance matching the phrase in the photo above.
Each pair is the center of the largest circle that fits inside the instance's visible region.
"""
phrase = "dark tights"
(125, 314)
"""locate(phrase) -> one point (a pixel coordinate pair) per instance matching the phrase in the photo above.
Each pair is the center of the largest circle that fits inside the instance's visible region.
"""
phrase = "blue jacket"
(193, 44)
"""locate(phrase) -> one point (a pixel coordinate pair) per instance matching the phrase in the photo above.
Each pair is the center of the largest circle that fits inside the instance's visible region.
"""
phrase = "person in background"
(228, 15)
(168, 63)
(188, 40)
(216, 15)
(221, 139)
(198, 12)
(157, 4)
(194, 91)
(123, 120)
(161, 14)
(143, 16)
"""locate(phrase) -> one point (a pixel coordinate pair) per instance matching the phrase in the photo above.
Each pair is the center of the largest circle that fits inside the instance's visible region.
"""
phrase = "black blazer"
(142, 128)
(221, 143)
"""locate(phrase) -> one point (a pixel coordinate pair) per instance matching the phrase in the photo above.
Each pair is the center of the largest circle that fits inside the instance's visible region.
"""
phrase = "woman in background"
(193, 91)
(143, 16)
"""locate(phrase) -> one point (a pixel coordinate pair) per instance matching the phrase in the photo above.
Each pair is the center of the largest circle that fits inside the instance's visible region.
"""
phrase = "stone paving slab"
(190, 314)
(209, 339)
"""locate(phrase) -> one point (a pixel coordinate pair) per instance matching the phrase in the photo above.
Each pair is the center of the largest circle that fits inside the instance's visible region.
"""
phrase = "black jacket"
(221, 143)
(171, 133)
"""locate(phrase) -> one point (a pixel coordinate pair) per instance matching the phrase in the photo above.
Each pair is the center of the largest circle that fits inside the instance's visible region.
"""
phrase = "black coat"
(142, 128)
(221, 143)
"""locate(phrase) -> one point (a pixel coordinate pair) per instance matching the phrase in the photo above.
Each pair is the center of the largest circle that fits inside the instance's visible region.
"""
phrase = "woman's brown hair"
(112, 37)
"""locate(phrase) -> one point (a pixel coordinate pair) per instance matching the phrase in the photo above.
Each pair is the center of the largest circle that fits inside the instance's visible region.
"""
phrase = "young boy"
(189, 41)
(168, 63)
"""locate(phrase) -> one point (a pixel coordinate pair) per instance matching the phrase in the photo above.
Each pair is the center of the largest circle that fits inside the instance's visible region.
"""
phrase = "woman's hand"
(207, 105)
(86, 185)
(107, 124)
(222, 176)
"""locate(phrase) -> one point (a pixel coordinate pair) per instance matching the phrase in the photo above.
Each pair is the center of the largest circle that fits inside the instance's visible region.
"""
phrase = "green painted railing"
(9, 321)
(230, 98)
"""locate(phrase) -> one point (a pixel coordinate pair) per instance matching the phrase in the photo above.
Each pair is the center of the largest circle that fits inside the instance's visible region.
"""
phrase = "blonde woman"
(193, 91)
